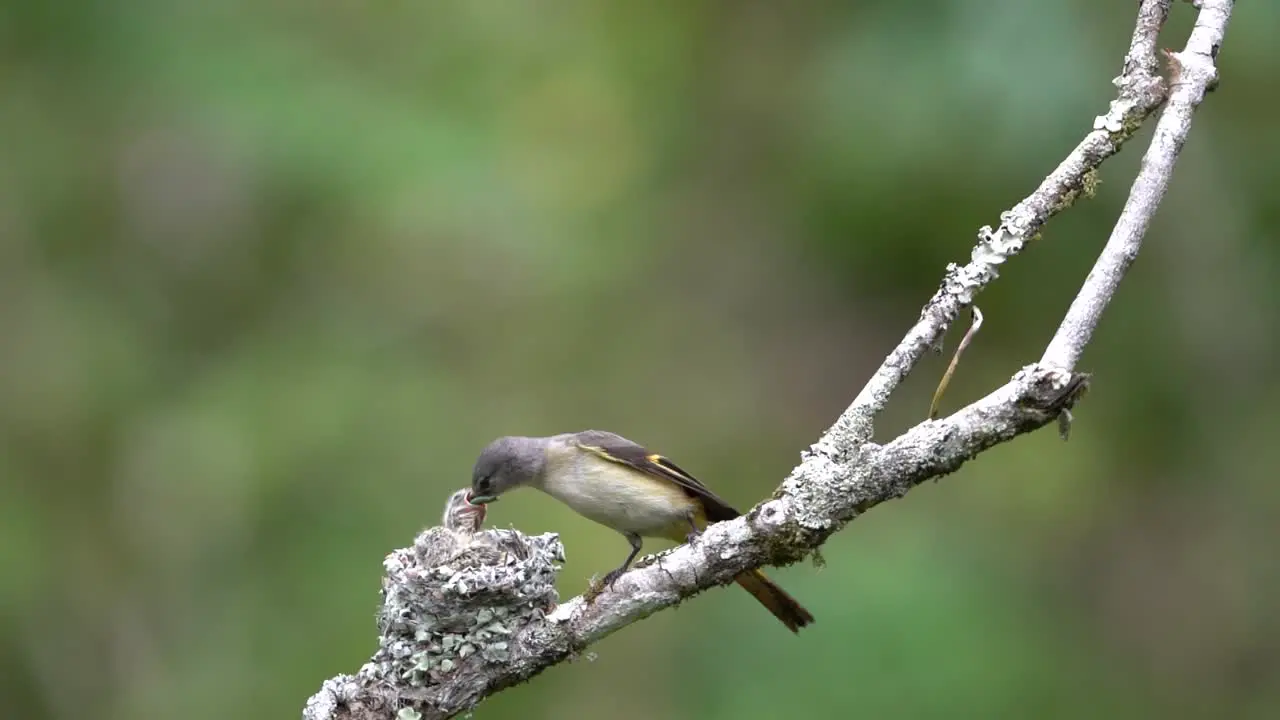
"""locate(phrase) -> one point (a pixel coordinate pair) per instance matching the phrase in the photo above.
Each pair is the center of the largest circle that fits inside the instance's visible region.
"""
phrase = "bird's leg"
(613, 575)
(694, 532)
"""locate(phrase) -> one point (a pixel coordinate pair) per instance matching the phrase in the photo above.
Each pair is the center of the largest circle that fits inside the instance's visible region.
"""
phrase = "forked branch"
(465, 617)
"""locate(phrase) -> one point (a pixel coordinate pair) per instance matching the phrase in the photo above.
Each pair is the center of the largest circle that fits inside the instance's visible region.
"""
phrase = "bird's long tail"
(783, 606)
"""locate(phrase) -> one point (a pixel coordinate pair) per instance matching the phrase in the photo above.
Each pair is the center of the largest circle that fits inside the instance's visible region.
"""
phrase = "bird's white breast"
(616, 496)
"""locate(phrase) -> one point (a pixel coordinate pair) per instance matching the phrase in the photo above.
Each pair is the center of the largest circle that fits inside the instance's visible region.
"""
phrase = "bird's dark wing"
(616, 448)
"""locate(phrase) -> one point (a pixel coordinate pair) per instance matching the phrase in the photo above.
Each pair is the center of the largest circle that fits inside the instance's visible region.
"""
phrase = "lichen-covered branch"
(465, 616)
(1192, 75)
(1141, 90)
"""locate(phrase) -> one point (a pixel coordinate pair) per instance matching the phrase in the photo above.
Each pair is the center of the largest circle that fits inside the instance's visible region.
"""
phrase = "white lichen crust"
(452, 600)
(452, 606)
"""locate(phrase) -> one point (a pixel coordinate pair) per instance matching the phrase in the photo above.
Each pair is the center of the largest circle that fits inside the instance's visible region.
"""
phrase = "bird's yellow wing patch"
(625, 452)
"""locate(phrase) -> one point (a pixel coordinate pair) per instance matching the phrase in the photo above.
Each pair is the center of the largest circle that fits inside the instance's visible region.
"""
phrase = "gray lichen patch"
(453, 602)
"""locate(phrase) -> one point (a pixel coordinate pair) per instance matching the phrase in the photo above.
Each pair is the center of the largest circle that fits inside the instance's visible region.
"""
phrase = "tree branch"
(465, 616)
(1193, 75)
(1141, 90)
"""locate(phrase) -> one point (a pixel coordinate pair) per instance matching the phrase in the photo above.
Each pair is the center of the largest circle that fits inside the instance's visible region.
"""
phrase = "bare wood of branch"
(421, 671)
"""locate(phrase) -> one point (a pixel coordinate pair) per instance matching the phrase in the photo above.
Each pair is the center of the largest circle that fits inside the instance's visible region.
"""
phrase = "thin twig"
(974, 327)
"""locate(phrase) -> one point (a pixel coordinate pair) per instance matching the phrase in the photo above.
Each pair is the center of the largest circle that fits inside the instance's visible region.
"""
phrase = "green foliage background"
(272, 273)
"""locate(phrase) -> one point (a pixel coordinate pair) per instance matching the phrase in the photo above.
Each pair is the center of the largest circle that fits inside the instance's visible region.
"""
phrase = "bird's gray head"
(506, 463)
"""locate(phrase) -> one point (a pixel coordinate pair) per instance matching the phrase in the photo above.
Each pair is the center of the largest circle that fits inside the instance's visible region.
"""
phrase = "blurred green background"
(272, 273)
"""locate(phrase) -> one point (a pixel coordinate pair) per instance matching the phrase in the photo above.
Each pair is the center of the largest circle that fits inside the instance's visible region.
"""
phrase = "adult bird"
(621, 485)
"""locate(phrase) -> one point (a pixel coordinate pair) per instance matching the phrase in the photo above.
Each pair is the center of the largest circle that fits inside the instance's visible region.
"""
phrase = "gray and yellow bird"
(621, 485)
